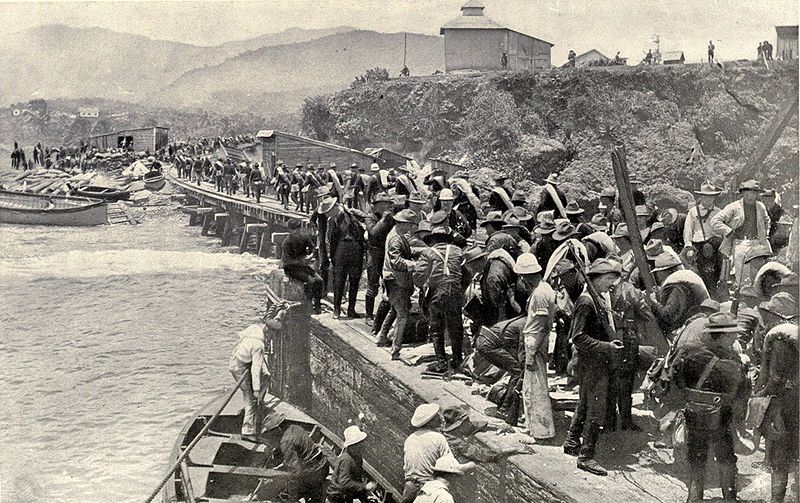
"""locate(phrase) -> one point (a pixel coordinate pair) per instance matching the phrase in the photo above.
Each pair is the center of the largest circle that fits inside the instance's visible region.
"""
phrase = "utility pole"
(405, 47)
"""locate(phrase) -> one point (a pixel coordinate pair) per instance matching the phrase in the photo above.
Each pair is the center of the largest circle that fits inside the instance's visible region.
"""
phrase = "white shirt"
(249, 352)
(693, 229)
(420, 452)
(434, 491)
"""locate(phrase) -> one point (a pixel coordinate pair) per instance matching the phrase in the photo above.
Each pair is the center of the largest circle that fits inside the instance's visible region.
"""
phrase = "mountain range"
(271, 72)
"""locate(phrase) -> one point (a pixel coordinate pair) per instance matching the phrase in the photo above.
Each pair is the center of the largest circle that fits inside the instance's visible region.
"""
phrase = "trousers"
(374, 267)
(347, 267)
(250, 403)
(400, 300)
(445, 314)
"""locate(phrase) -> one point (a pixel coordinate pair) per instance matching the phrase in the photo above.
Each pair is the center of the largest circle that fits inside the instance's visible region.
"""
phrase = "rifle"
(594, 294)
(629, 213)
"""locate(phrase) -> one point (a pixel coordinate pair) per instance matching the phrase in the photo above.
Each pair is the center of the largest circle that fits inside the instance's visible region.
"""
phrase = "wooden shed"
(673, 58)
(387, 157)
(592, 57)
(475, 42)
(150, 139)
(449, 167)
(293, 149)
(786, 48)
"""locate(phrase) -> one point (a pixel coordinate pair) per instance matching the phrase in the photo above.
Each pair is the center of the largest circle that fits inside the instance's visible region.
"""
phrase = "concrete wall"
(483, 50)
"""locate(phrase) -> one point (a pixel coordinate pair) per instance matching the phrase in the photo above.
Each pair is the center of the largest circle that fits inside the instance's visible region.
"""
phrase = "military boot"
(727, 480)
(586, 461)
(779, 481)
(695, 486)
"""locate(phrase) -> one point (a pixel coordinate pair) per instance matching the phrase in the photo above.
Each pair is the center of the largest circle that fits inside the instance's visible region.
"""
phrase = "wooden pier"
(333, 370)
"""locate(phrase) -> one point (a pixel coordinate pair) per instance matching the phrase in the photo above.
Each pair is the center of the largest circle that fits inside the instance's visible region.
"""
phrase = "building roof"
(269, 133)
(128, 129)
(473, 4)
(786, 31)
(473, 18)
(672, 56)
(377, 151)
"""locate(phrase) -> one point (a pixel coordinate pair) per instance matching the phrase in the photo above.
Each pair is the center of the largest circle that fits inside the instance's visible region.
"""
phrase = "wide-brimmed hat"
(749, 185)
(473, 253)
(768, 193)
(458, 423)
(519, 196)
(326, 205)
(424, 413)
(493, 218)
(353, 435)
(332, 165)
(522, 214)
(710, 305)
(722, 322)
(448, 464)
(666, 261)
(621, 231)
(608, 192)
(374, 167)
(405, 216)
(654, 248)
(416, 198)
(446, 195)
(668, 216)
(562, 266)
(382, 197)
(323, 190)
(527, 264)
(512, 222)
(546, 221)
(708, 189)
(423, 227)
(564, 229)
(552, 179)
(781, 304)
(438, 217)
(758, 251)
(642, 211)
(599, 222)
(604, 266)
(573, 209)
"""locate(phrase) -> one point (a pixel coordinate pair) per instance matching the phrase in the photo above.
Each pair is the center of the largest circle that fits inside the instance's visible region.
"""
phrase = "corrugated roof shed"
(673, 56)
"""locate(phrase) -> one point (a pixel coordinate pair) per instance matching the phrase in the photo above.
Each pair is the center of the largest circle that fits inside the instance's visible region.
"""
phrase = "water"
(110, 338)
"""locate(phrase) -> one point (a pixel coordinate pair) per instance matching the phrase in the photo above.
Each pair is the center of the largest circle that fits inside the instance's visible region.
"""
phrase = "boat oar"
(197, 438)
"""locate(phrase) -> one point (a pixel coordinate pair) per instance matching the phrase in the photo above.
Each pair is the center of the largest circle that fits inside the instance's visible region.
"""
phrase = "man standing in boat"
(249, 354)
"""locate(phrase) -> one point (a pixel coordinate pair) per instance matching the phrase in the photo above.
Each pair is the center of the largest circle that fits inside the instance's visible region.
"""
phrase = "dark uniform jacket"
(347, 481)
(297, 245)
(343, 227)
(498, 278)
(502, 239)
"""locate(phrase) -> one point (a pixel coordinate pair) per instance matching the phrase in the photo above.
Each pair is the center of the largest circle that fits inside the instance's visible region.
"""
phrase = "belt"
(708, 397)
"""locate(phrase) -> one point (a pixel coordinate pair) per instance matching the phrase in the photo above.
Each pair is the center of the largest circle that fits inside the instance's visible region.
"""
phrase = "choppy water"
(110, 338)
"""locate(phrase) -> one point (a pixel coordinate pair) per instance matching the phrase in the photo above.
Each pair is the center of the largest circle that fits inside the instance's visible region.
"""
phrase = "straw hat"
(448, 464)
(708, 189)
(374, 167)
(353, 435)
(424, 413)
(327, 204)
(446, 195)
(527, 264)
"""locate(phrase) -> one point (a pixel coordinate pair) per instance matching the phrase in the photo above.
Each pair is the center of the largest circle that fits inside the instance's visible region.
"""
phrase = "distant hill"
(278, 77)
(58, 61)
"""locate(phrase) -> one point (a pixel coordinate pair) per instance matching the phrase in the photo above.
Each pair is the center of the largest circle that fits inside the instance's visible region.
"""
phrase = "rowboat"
(44, 209)
(104, 193)
(224, 467)
(154, 180)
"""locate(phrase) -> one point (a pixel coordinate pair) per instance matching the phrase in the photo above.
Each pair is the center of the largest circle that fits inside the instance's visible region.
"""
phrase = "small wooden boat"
(104, 193)
(44, 209)
(224, 467)
(154, 180)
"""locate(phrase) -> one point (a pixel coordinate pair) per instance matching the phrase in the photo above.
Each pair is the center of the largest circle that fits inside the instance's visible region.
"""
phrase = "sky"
(735, 26)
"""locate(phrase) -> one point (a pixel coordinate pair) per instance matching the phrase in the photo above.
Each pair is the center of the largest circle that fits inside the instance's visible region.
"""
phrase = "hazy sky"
(610, 26)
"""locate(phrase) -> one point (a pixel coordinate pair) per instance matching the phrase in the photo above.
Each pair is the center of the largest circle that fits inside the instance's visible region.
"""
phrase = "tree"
(317, 120)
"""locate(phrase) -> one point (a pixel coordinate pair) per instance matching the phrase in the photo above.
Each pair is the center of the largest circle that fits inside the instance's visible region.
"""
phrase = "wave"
(94, 264)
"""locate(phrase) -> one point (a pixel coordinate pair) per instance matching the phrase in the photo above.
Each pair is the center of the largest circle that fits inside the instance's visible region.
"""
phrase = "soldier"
(778, 381)
(500, 346)
(742, 224)
(681, 292)
(345, 243)
(347, 480)
(712, 375)
(596, 350)
(379, 222)
(552, 199)
(438, 271)
(544, 245)
(500, 198)
(297, 246)
(398, 267)
(497, 237)
(699, 240)
(455, 219)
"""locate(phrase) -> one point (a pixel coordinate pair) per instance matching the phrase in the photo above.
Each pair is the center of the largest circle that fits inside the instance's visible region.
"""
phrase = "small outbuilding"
(786, 48)
(475, 42)
(592, 57)
(88, 112)
(673, 58)
(387, 157)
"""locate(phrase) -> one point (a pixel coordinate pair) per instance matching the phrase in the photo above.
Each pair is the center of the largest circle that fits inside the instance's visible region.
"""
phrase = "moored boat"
(154, 180)
(224, 467)
(44, 209)
(104, 193)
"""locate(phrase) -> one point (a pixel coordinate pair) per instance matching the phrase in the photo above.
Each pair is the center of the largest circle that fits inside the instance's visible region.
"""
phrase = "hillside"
(680, 124)
(57, 61)
(278, 78)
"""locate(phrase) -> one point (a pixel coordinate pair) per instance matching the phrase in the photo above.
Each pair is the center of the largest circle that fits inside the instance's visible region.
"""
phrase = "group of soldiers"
(549, 267)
